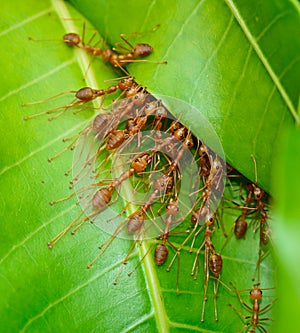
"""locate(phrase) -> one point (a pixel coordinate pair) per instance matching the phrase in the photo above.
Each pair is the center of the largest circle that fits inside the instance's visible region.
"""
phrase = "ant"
(212, 262)
(240, 225)
(83, 96)
(136, 220)
(261, 216)
(161, 250)
(102, 198)
(254, 321)
(116, 57)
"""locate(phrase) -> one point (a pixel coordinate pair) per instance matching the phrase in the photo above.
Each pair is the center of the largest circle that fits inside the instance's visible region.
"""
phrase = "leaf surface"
(236, 62)
(286, 229)
(51, 291)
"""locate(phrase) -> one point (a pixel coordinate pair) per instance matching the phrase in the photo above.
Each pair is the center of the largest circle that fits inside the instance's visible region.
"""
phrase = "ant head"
(174, 126)
(140, 163)
(150, 107)
(163, 184)
(256, 293)
(180, 133)
(126, 83)
(172, 208)
(217, 165)
(210, 219)
(202, 150)
(199, 214)
(132, 90)
(258, 193)
(139, 98)
(188, 141)
(161, 112)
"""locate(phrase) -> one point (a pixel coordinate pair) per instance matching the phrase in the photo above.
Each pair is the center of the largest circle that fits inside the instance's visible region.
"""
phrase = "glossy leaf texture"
(52, 291)
(237, 62)
(286, 230)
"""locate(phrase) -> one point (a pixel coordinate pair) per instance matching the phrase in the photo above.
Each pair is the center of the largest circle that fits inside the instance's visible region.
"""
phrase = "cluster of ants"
(155, 152)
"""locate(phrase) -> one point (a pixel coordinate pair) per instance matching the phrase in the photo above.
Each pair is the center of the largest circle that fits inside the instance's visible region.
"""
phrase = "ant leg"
(107, 243)
(143, 60)
(144, 256)
(54, 240)
(240, 298)
(178, 266)
(216, 288)
(125, 260)
(206, 279)
(122, 36)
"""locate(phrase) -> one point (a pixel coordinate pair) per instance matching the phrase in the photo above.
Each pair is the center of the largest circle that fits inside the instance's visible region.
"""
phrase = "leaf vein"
(25, 158)
(275, 19)
(20, 24)
(140, 321)
(38, 79)
(237, 85)
(222, 39)
(64, 297)
(41, 227)
(178, 34)
(263, 59)
(192, 327)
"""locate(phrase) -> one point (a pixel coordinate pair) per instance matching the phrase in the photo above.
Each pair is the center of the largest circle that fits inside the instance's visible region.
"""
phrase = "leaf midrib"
(149, 271)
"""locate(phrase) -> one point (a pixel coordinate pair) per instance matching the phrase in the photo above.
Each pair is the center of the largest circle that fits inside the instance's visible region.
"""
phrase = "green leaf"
(286, 230)
(237, 62)
(51, 291)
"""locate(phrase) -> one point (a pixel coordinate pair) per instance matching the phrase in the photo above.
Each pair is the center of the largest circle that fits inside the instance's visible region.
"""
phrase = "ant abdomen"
(101, 122)
(102, 198)
(135, 221)
(240, 227)
(142, 50)
(85, 94)
(72, 39)
(160, 254)
(115, 139)
(215, 263)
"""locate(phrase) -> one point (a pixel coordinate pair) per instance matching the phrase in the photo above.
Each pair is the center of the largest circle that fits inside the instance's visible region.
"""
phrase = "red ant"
(83, 96)
(240, 225)
(136, 220)
(212, 262)
(254, 321)
(261, 215)
(102, 198)
(161, 250)
(116, 57)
